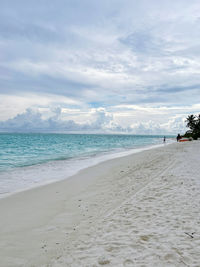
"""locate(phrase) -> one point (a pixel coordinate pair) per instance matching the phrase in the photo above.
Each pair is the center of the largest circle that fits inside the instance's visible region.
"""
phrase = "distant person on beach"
(178, 137)
(164, 139)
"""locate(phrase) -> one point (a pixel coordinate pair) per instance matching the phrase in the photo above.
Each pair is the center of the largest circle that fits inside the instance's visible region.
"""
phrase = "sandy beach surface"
(138, 210)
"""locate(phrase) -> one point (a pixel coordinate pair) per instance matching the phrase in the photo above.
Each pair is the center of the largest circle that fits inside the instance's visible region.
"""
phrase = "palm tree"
(193, 122)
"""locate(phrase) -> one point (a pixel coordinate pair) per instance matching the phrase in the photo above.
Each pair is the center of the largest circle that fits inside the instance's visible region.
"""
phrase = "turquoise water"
(19, 150)
(30, 159)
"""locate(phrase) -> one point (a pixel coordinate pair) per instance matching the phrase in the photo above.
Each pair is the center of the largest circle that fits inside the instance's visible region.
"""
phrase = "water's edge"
(38, 175)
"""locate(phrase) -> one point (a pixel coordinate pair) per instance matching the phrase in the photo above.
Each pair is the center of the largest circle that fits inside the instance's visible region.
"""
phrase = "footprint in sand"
(145, 237)
(170, 257)
(112, 249)
(128, 263)
(103, 261)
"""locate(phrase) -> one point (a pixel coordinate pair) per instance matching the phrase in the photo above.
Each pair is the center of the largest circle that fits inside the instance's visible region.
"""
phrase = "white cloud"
(176, 124)
(31, 121)
(95, 120)
(10, 105)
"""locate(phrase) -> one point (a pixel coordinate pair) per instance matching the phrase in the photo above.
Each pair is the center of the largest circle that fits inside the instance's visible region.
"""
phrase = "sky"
(109, 66)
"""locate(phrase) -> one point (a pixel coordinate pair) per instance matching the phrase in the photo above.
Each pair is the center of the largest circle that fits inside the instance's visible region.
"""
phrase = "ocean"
(30, 160)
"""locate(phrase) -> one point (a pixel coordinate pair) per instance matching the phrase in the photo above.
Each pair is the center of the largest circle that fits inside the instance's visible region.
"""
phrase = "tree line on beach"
(193, 123)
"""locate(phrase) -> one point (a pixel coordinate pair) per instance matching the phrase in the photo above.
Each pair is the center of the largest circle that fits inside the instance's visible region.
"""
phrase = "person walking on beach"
(164, 139)
(178, 137)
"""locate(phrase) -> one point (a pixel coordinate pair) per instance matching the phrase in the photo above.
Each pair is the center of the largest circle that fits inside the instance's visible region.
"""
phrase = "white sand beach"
(138, 210)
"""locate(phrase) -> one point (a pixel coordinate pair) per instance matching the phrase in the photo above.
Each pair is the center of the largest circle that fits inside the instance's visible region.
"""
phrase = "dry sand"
(139, 210)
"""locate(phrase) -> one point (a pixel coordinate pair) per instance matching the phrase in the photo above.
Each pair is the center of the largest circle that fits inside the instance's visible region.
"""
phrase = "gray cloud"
(100, 53)
(145, 43)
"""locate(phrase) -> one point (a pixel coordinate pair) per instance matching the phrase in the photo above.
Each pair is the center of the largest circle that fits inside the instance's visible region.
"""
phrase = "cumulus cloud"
(176, 124)
(101, 121)
(31, 121)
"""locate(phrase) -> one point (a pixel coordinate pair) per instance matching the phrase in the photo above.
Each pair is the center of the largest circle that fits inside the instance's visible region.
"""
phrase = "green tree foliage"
(193, 122)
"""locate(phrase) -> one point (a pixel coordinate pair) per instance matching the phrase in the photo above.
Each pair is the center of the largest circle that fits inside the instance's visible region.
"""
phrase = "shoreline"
(108, 214)
(66, 171)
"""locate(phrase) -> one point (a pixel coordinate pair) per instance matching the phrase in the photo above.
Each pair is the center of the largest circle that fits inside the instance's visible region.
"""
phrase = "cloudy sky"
(130, 66)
